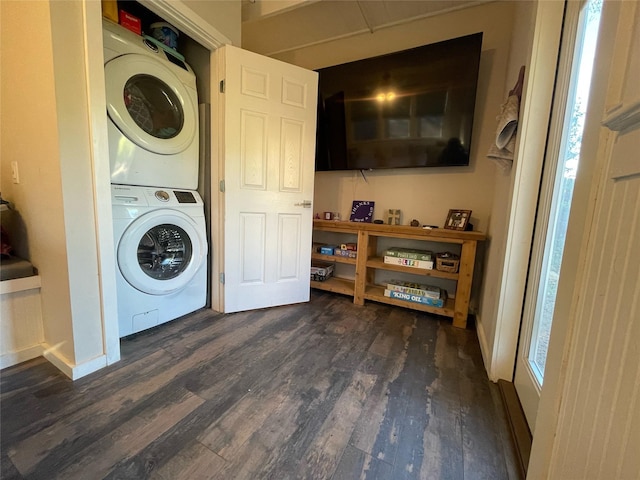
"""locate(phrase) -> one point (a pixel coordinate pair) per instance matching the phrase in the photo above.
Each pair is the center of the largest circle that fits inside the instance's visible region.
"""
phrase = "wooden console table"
(369, 259)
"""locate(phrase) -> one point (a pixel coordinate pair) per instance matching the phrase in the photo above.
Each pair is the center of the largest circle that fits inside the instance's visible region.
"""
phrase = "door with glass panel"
(579, 36)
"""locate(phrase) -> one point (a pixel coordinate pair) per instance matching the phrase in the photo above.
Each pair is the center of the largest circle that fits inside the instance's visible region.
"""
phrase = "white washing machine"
(152, 107)
(161, 251)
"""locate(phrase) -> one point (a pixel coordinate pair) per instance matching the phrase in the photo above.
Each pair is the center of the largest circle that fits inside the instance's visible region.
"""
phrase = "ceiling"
(270, 27)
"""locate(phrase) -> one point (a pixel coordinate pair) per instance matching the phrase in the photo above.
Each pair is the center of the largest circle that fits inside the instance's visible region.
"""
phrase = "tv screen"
(412, 108)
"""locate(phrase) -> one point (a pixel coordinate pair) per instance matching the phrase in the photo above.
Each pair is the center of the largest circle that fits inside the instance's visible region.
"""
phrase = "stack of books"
(416, 293)
(409, 257)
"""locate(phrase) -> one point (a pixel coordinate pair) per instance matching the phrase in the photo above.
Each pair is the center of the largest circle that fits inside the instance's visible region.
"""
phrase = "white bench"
(21, 334)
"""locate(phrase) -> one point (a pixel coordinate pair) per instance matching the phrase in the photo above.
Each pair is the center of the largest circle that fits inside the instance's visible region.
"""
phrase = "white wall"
(424, 194)
(47, 126)
(427, 195)
(521, 43)
(45, 130)
(224, 15)
(29, 136)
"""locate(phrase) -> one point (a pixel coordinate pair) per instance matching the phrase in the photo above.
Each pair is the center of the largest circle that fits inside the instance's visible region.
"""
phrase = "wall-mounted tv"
(412, 108)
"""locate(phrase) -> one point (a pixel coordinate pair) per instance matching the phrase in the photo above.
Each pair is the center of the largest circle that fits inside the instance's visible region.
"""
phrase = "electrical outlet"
(15, 176)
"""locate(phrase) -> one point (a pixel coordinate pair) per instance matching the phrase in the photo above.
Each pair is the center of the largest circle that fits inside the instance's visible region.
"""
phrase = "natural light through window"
(563, 191)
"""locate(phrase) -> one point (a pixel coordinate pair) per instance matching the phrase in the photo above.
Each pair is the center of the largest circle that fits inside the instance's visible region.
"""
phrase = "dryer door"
(161, 251)
(150, 104)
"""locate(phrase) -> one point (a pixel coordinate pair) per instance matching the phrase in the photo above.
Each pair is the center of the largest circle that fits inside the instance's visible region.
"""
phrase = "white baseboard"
(484, 348)
(71, 370)
(14, 358)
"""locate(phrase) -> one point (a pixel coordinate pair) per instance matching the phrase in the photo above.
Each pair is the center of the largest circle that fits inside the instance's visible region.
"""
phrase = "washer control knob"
(162, 195)
(151, 46)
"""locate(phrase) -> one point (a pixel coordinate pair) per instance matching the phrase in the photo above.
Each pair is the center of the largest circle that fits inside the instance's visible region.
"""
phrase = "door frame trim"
(176, 12)
(535, 115)
(566, 78)
(518, 425)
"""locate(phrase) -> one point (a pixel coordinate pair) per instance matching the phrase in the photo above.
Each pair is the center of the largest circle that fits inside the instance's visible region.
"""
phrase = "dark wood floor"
(324, 390)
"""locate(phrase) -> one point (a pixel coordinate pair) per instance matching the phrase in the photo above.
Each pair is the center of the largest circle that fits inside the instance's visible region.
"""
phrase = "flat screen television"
(412, 108)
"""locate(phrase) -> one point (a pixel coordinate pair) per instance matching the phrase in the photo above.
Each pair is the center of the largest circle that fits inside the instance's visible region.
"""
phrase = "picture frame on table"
(362, 211)
(457, 219)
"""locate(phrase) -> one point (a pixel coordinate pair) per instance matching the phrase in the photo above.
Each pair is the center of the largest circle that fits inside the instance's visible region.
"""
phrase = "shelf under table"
(333, 258)
(335, 285)
(378, 263)
(376, 293)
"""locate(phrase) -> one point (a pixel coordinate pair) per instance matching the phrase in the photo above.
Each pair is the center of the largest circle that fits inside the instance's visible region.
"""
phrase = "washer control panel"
(185, 197)
(162, 195)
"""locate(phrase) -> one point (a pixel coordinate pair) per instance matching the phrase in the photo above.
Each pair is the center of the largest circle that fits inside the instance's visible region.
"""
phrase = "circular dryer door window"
(153, 106)
(160, 252)
(150, 104)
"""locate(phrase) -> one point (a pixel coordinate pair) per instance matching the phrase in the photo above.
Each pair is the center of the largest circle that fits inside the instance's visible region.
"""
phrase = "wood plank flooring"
(323, 390)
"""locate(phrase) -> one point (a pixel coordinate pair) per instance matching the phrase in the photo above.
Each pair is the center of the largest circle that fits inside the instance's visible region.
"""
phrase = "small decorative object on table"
(457, 219)
(362, 211)
(415, 223)
(394, 216)
(447, 262)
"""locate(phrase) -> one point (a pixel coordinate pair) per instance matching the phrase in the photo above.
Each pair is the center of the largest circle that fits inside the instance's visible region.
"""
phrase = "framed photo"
(457, 219)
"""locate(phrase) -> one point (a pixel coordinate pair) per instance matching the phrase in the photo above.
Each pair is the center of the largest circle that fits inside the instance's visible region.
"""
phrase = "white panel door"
(588, 426)
(269, 158)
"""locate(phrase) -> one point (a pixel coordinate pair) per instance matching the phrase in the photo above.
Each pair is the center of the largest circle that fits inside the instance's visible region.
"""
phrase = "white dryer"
(161, 251)
(152, 107)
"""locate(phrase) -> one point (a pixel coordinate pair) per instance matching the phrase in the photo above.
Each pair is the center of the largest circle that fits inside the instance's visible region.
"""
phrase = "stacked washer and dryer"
(158, 216)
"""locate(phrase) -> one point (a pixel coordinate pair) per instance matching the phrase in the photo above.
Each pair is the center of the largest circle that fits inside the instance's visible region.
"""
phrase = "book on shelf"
(433, 302)
(419, 289)
(327, 249)
(413, 253)
(409, 262)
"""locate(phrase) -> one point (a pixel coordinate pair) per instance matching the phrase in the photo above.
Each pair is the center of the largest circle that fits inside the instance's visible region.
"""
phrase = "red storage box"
(130, 22)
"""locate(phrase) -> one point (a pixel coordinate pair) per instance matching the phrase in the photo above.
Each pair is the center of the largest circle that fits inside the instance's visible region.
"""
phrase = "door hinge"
(222, 278)
(221, 86)
(222, 186)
